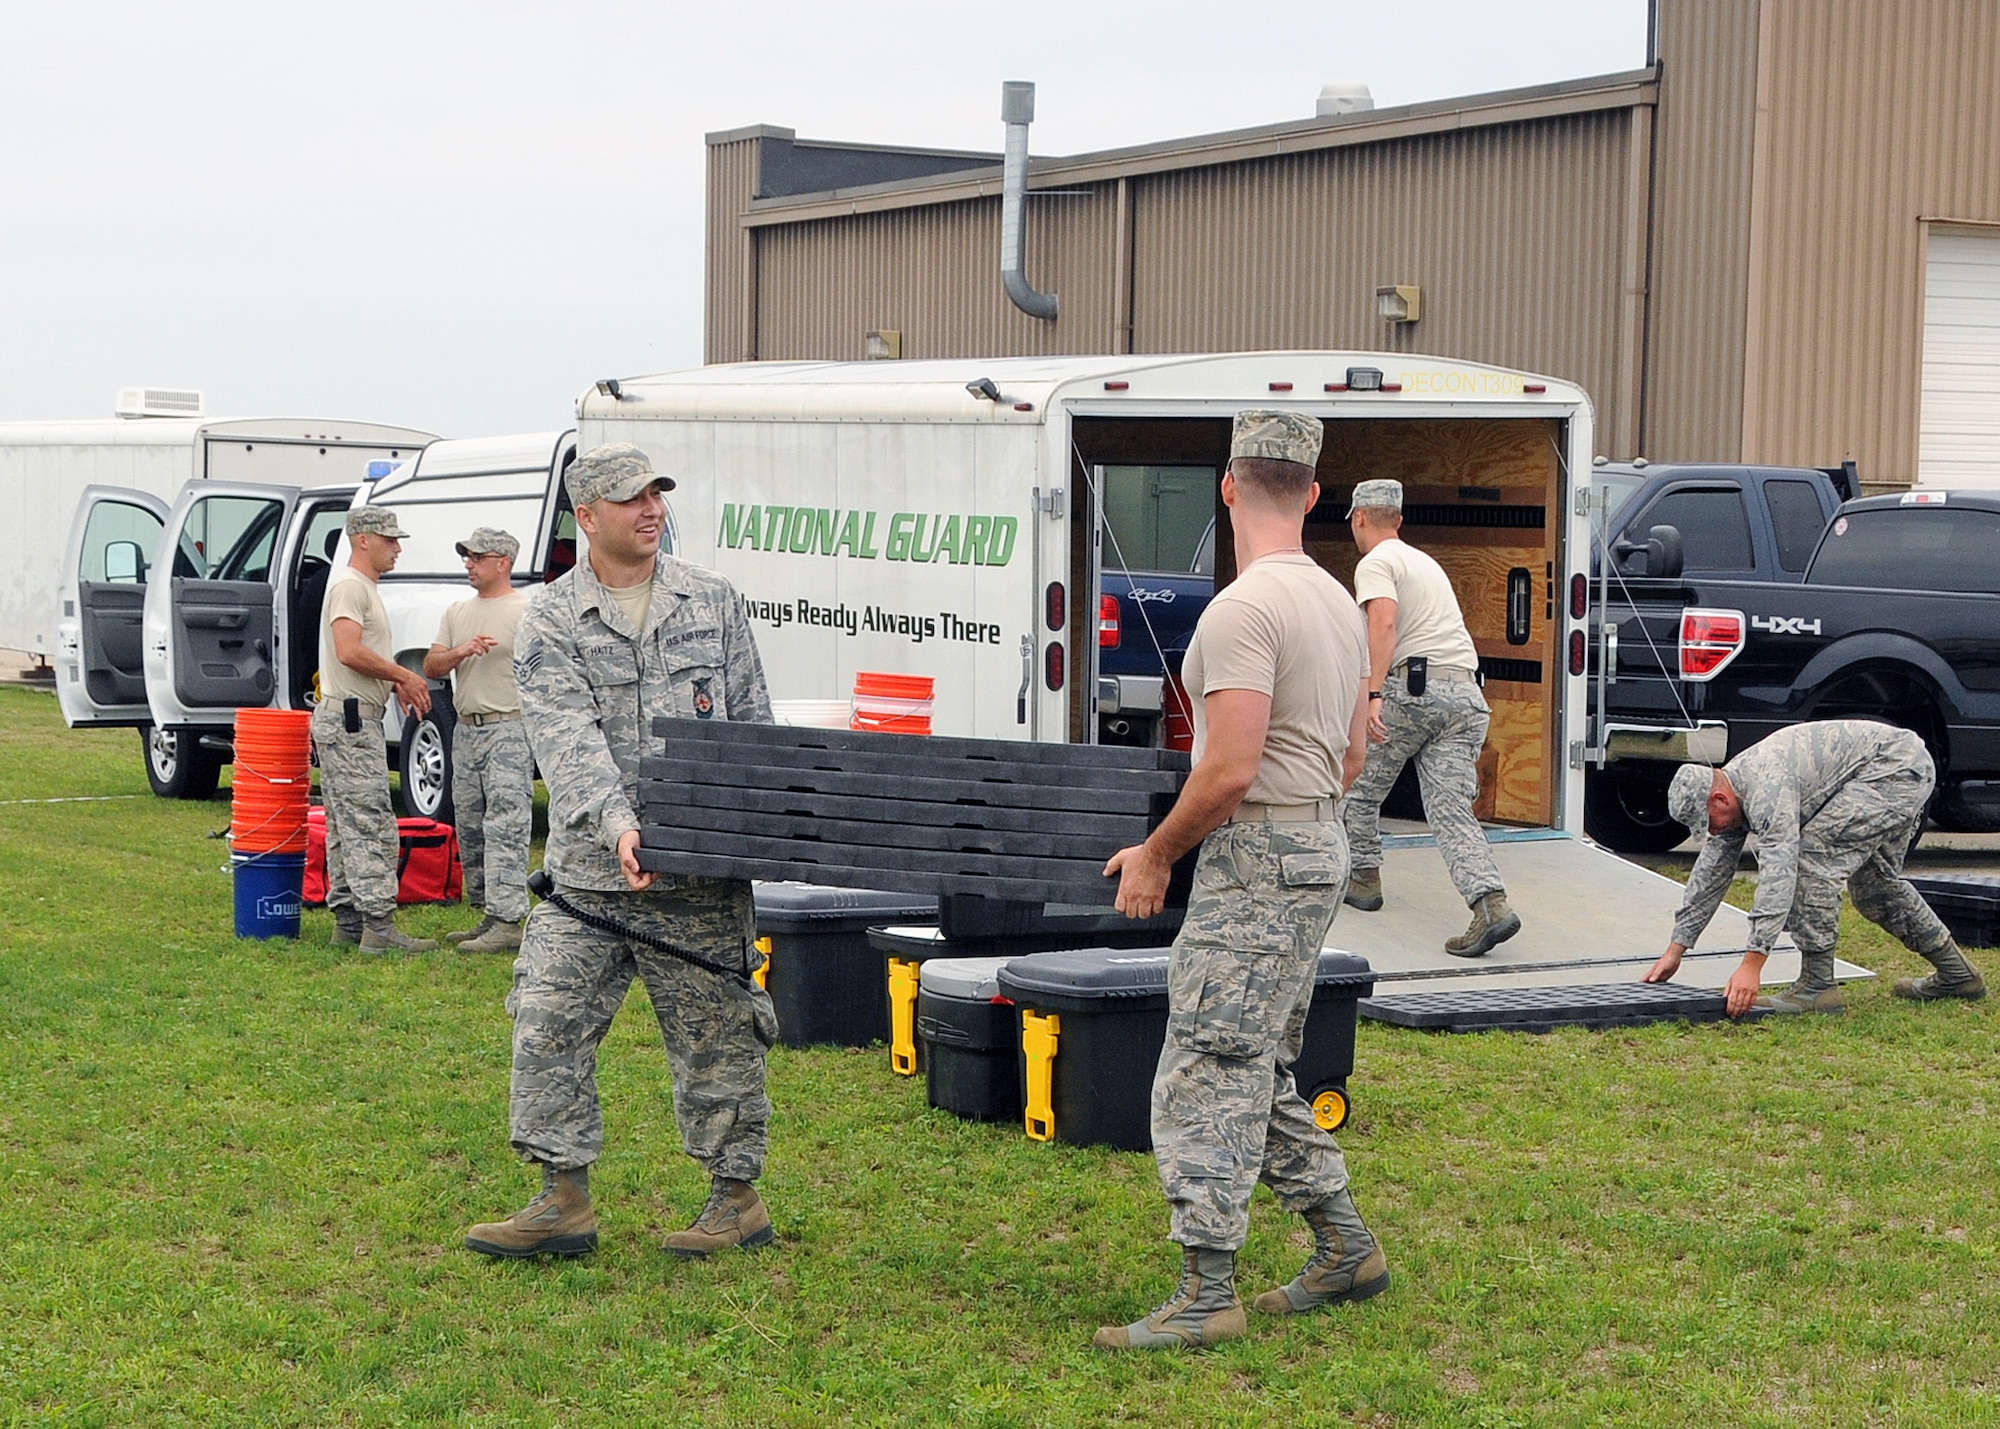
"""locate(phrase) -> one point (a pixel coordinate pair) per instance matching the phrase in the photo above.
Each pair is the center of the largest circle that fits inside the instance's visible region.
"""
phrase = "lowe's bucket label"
(278, 906)
(921, 537)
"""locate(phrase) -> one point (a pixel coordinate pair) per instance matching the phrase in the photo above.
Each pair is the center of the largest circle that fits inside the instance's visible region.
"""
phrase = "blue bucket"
(268, 889)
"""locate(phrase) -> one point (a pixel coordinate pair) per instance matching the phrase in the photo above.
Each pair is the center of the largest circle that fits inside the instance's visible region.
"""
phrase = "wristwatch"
(1374, 694)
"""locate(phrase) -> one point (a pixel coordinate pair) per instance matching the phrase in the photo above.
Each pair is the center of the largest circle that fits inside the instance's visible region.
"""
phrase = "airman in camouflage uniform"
(1832, 802)
(358, 673)
(1276, 665)
(624, 637)
(1413, 615)
(492, 772)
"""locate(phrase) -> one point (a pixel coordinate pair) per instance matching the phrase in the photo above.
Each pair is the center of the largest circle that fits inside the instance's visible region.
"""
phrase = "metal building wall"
(933, 274)
(1513, 232)
(1877, 117)
(730, 288)
(1699, 291)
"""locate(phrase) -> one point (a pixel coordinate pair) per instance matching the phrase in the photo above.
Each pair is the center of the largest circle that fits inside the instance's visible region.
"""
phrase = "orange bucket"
(270, 787)
(892, 704)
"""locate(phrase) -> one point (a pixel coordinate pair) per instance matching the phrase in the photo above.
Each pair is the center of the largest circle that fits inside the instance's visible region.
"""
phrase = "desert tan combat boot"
(497, 937)
(1815, 991)
(734, 1216)
(1203, 1311)
(466, 935)
(346, 926)
(559, 1221)
(381, 935)
(1364, 889)
(1346, 1264)
(1493, 923)
(1955, 977)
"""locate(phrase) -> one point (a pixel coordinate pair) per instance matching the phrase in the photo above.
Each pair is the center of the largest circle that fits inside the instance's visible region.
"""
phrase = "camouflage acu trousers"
(1226, 1112)
(493, 799)
(361, 836)
(1859, 838)
(1443, 729)
(569, 982)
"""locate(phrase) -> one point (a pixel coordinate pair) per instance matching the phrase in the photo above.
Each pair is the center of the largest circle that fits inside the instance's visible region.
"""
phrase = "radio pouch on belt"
(350, 715)
(1417, 674)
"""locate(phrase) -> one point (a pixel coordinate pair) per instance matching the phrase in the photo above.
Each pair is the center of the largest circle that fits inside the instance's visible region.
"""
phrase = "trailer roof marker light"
(1392, 387)
(1114, 385)
(608, 387)
(1335, 387)
(1534, 387)
(1024, 406)
(1364, 379)
(1281, 386)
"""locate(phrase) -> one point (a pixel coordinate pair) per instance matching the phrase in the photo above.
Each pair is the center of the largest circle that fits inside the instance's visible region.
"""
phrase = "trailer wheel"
(1330, 1106)
(177, 766)
(424, 760)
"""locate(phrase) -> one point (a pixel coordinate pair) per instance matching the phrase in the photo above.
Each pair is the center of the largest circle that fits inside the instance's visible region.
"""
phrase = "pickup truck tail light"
(1108, 616)
(1710, 639)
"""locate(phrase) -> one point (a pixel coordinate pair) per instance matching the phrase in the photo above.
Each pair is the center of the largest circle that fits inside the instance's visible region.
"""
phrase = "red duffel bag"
(427, 866)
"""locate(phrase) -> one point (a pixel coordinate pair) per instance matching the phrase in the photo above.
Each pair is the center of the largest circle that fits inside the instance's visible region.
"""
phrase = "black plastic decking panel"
(663, 814)
(1075, 756)
(909, 783)
(914, 759)
(1543, 1009)
(889, 877)
(1118, 829)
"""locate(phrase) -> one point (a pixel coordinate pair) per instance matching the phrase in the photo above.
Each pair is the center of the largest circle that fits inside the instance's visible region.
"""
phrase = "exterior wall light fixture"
(1401, 303)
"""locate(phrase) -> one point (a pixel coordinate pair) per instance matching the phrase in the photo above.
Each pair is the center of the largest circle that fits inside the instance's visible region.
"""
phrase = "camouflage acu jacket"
(1783, 781)
(591, 687)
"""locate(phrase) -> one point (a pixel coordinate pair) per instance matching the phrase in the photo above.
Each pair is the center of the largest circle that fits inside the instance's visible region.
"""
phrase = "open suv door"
(100, 674)
(232, 620)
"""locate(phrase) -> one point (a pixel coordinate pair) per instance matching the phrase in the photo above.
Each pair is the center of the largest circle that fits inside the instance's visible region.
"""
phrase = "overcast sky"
(458, 215)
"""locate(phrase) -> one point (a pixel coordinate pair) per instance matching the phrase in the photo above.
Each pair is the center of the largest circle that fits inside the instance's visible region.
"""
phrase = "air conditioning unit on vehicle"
(158, 402)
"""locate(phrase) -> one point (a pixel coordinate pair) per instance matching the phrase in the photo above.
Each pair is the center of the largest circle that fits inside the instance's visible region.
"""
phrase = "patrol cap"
(374, 521)
(489, 540)
(1380, 492)
(615, 471)
(1276, 436)
(1687, 796)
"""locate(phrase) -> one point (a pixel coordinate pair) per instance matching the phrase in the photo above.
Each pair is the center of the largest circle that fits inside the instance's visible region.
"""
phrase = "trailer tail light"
(1710, 639)
(1576, 652)
(1052, 665)
(1107, 622)
(1054, 606)
(1534, 387)
(1579, 597)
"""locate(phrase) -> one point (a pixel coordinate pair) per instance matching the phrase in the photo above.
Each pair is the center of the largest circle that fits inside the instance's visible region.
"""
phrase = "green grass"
(237, 1175)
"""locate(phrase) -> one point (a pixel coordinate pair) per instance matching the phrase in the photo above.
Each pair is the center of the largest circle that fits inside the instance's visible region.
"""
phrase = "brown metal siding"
(731, 280)
(1877, 114)
(934, 275)
(1514, 234)
(1701, 230)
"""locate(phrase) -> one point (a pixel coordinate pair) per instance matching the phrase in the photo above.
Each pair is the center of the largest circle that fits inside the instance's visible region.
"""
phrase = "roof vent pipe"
(1017, 112)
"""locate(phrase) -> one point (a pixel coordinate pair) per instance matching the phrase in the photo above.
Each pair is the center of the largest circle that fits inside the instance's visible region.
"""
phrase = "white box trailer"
(946, 519)
(45, 466)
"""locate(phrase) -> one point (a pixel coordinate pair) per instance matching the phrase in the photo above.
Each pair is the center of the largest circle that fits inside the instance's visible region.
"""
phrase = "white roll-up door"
(1958, 440)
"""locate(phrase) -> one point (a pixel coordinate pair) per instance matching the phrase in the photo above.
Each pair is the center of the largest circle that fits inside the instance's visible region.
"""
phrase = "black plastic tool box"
(823, 976)
(970, 1039)
(1093, 1022)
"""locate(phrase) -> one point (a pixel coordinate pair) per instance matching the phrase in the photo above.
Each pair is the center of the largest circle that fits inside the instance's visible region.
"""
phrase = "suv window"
(1912, 548)
(1714, 527)
(1797, 518)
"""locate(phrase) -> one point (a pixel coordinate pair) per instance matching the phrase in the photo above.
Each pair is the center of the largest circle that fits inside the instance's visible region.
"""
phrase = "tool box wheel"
(1331, 1107)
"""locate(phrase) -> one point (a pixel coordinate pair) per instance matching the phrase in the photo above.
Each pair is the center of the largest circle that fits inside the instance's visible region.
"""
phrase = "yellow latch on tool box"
(903, 981)
(1038, 1044)
(762, 977)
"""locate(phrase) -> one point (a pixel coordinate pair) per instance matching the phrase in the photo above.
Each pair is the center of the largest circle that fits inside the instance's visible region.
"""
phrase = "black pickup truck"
(1897, 618)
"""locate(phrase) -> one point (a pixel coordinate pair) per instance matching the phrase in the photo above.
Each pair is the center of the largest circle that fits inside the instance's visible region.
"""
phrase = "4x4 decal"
(1784, 624)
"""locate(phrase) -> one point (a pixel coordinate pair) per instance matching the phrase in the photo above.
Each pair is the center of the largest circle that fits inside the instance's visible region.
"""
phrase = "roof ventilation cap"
(1344, 96)
(158, 402)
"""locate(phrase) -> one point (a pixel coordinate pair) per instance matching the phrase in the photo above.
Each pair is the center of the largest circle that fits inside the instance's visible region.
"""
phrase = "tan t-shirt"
(1428, 622)
(636, 601)
(484, 684)
(352, 596)
(1287, 629)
